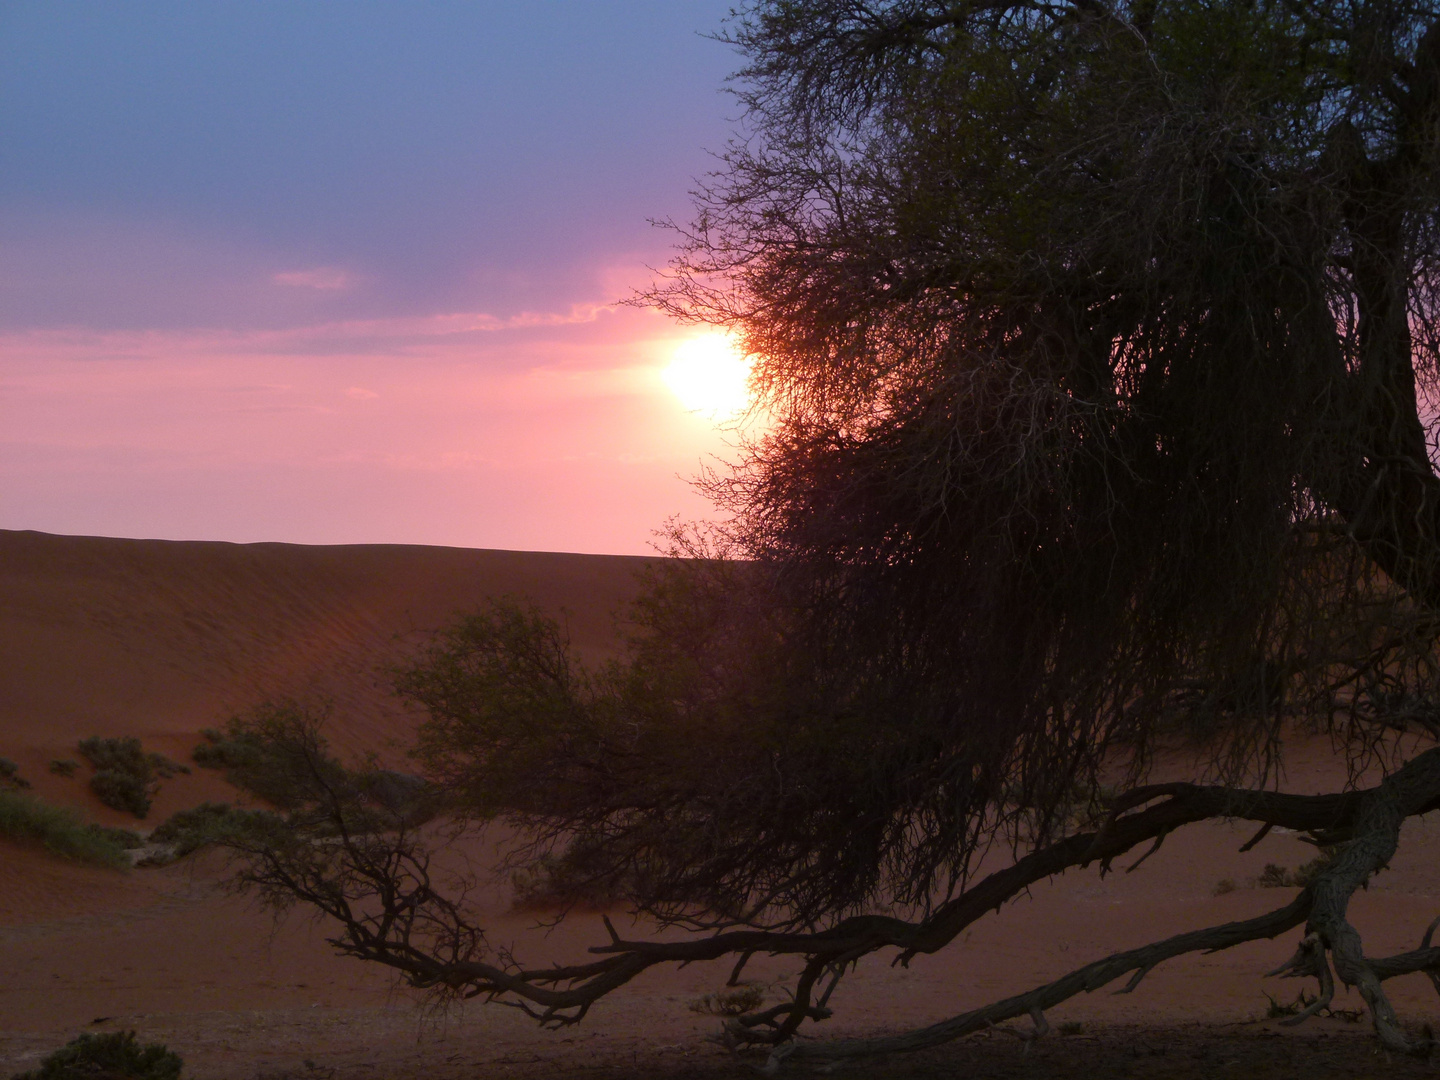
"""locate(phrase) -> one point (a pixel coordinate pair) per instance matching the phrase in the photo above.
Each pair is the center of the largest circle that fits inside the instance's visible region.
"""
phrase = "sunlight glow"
(708, 375)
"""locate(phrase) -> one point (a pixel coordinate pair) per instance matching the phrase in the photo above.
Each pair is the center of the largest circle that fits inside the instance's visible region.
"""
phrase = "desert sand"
(160, 640)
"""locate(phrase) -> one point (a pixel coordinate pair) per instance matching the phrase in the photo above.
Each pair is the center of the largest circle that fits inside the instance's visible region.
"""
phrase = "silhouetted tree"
(1097, 344)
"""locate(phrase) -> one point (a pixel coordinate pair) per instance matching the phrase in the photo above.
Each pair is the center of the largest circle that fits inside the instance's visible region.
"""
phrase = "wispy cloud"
(328, 278)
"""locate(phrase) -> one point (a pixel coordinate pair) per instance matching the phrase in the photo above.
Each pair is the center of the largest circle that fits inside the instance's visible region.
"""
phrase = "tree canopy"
(1097, 344)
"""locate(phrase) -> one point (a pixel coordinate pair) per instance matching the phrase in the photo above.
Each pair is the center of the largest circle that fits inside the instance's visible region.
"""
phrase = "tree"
(1099, 345)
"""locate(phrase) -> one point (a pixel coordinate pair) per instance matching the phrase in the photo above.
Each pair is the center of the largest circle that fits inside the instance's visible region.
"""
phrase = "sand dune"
(159, 640)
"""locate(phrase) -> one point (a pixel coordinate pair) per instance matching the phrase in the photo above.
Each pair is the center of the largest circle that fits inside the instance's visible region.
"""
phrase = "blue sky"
(177, 176)
(440, 152)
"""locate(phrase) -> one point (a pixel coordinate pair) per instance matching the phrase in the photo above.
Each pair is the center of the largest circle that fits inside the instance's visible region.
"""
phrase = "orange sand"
(159, 640)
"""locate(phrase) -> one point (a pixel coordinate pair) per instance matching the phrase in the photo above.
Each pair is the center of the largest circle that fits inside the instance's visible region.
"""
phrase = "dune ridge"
(159, 639)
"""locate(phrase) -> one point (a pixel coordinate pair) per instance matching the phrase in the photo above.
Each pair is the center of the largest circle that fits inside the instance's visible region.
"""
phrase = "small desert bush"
(732, 1001)
(1307, 873)
(1273, 876)
(1223, 886)
(10, 775)
(122, 791)
(109, 1056)
(125, 754)
(128, 839)
(572, 879)
(26, 818)
(209, 823)
(64, 766)
(125, 775)
(1279, 877)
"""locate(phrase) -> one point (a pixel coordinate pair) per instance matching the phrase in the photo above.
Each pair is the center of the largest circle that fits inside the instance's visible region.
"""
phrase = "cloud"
(329, 278)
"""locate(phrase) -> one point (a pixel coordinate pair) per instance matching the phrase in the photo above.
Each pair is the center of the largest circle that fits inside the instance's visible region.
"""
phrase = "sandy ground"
(160, 640)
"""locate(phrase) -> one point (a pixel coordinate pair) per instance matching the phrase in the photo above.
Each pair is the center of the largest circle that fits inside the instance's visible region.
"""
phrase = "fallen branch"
(429, 941)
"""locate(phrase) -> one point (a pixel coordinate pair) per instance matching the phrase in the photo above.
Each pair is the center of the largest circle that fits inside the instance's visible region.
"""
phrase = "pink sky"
(332, 273)
(545, 430)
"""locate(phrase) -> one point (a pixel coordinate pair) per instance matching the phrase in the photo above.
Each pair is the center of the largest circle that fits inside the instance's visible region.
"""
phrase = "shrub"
(1273, 877)
(572, 879)
(109, 1056)
(732, 1001)
(122, 791)
(1276, 877)
(26, 818)
(1308, 872)
(64, 766)
(126, 776)
(1278, 1010)
(208, 823)
(254, 757)
(128, 839)
(10, 775)
(1223, 886)
(127, 755)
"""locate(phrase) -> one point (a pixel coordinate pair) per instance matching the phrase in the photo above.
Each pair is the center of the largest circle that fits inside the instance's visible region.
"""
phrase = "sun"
(708, 375)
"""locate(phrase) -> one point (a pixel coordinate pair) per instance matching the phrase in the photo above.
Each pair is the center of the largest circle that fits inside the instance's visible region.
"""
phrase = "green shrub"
(128, 839)
(126, 776)
(109, 1056)
(125, 754)
(277, 753)
(122, 791)
(250, 755)
(26, 818)
(221, 750)
(259, 754)
(208, 823)
(10, 775)
(64, 766)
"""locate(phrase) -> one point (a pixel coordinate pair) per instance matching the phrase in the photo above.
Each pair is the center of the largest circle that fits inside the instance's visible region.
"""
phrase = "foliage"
(64, 767)
(24, 817)
(10, 775)
(125, 754)
(223, 749)
(1275, 876)
(277, 753)
(126, 777)
(207, 824)
(1076, 330)
(259, 753)
(732, 1001)
(112, 1056)
(575, 878)
(128, 839)
(122, 791)
(1098, 346)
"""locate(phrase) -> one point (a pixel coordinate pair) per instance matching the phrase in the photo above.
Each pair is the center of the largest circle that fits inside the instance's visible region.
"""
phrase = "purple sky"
(345, 273)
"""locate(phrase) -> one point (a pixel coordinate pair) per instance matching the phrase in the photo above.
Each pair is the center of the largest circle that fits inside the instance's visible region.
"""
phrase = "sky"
(325, 272)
